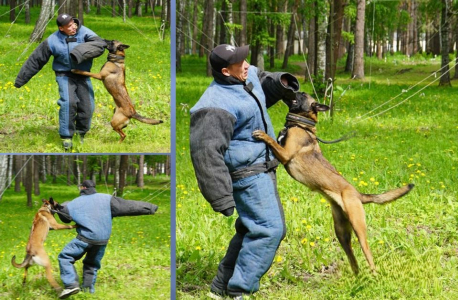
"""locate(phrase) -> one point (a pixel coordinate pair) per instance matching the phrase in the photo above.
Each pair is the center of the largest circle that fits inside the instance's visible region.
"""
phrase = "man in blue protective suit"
(92, 213)
(234, 170)
(76, 93)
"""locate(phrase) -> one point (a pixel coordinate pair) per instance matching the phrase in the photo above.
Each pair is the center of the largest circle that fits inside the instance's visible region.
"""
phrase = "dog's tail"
(387, 196)
(23, 264)
(146, 120)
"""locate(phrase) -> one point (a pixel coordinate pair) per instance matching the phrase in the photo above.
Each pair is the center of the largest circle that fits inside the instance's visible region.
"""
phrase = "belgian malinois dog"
(113, 76)
(35, 251)
(300, 153)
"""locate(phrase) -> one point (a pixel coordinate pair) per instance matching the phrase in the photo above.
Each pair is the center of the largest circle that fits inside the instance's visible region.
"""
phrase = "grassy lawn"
(136, 264)
(413, 240)
(29, 115)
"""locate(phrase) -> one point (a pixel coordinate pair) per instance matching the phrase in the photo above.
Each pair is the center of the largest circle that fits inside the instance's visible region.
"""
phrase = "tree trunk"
(311, 56)
(113, 8)
(179, 35)
(290, 42)
(208, 29)
(36, 175)
(445, 17)
(12, 10)
(194, 28)
(140, 173)
(29, 179)
(243, 22)
(3, 174)
(81, 11)
(46, 13)
(456, 59)
(358, 65)
(69, 170)
(27, 12)
(280, 45)
(17, 166)
(123, 165)
(334, 37)
(116, 171)
(322, 24)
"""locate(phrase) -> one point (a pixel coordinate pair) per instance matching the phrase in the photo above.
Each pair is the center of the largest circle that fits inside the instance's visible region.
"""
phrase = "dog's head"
(116, 47)
(305, 106)
(51, 204)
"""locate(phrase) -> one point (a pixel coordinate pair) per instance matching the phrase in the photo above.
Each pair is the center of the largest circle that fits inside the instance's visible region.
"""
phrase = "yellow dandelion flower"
(372, 179)
(312, 244)
(381, 242)
(309, 227)
(304, 221)
(179, 205)
(322, 200)
(278, 259)
(198, 248)
(355, 179)
(303, 241)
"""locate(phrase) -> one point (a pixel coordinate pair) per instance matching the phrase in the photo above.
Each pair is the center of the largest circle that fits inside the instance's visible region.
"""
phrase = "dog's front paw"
(258, 134)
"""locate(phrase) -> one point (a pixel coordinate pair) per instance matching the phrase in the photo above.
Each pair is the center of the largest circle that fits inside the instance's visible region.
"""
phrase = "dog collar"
(298, 120)
(114, 57)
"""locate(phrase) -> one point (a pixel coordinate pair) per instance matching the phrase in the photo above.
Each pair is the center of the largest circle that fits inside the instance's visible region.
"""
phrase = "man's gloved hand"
(228, 211)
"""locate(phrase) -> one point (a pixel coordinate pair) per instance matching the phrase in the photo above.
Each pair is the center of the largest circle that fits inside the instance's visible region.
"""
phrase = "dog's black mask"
(299, 104)
(114, 45)
(304, 103)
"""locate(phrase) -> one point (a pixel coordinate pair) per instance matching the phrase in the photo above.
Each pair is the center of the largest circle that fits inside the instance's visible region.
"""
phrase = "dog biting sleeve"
(274, 89)
(89, 50)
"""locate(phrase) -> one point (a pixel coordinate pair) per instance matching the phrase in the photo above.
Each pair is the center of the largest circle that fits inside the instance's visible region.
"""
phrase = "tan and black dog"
(35, 251)
(113, 76)
(303, 160)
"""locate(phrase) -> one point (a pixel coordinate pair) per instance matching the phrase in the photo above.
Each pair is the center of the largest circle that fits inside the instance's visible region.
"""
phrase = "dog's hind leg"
(342, 228)
(42, 259)
(355, 211)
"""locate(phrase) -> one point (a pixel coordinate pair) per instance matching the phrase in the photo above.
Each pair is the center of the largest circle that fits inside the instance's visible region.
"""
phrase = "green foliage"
(413, 240)
(29, 115)
(136, 264)
(348, 36)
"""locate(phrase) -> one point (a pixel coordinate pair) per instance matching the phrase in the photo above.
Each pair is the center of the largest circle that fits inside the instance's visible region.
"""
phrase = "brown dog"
(113, 76)
(35, 251)
(303, 160)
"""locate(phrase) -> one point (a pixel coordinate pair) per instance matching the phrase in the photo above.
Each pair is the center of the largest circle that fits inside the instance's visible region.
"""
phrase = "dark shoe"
(216, 293)
(68, 292)
(67, 144)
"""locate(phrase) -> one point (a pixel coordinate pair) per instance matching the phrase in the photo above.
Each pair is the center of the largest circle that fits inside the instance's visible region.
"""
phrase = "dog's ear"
(122, 47)
(51, 200)
(319, 107)
(44, 200)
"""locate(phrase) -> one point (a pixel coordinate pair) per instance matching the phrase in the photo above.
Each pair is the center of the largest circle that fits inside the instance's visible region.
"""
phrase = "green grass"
(136, 264)
(413, 240)
(29, 115)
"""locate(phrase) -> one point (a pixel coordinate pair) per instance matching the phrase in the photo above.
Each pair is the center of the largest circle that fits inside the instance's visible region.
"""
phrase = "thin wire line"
(411, 87)
(12, 180)
(408, 97)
